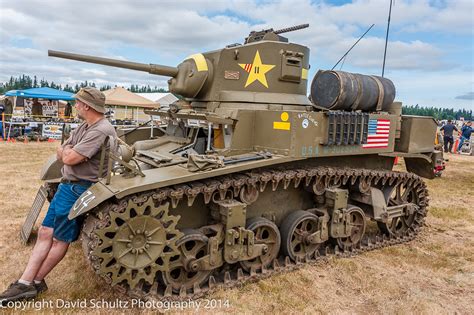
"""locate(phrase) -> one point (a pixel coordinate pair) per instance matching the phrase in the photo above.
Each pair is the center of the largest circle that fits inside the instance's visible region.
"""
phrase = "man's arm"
(68, 156)
(89, 145)
(59, 153)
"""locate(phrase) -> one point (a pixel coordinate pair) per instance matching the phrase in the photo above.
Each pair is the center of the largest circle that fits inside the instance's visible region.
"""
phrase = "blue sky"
(430, 52)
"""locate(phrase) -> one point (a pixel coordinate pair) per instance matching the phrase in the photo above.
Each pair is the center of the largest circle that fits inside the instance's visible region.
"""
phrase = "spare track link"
(229, 276)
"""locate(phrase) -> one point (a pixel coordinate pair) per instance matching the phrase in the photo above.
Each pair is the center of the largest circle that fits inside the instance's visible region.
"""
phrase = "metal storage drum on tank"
(339, 90)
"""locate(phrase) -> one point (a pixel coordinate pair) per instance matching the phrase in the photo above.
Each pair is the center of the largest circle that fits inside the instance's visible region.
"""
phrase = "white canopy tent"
(164, 99)
(121, 97)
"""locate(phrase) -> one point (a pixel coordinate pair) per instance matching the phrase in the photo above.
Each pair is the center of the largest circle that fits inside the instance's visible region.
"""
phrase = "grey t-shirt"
(87, 141)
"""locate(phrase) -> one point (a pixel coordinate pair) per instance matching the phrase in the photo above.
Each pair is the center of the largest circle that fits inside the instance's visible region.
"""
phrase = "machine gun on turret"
(270, 34)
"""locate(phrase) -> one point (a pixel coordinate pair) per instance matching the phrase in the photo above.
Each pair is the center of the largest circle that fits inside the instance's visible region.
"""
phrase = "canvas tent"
(127, 104)
(43, 92)
(36, 93)
(18, 97)
(164, 99)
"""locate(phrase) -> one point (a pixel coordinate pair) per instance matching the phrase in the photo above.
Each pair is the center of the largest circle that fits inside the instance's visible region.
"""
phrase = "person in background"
(2, 109)
(8, 109)
(466, 132)
(68, 111)
(8, 113)
(36, 109)
(448, 139)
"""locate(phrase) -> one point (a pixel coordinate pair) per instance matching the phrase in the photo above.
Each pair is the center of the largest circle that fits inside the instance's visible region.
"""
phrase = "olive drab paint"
(249, 173)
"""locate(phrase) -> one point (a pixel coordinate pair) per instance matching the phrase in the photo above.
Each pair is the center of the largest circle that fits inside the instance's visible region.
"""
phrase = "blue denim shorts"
(64, 229)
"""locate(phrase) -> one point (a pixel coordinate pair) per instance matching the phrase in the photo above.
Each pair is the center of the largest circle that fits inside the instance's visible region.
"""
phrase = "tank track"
(230, 276)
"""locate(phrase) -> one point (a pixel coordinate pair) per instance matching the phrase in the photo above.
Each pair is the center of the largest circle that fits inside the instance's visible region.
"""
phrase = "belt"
(77, 182)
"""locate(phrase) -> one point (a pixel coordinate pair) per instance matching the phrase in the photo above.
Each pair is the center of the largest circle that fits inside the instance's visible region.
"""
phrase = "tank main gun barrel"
(150, 68)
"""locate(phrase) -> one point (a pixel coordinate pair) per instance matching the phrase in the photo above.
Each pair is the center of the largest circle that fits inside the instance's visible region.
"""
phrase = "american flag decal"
(378, 133)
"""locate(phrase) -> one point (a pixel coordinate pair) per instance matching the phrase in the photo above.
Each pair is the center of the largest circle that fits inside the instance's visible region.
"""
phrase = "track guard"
(91, 198)
(422, 165)
(51, 170)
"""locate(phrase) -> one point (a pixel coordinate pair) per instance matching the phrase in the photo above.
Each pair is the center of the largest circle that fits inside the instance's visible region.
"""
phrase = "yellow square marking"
(280, 125)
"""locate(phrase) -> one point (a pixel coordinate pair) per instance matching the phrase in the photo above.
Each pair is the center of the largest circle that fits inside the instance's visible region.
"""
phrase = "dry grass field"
(431, 275)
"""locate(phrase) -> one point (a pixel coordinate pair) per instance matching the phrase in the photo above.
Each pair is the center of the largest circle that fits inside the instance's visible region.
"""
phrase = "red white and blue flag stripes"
(378, 133)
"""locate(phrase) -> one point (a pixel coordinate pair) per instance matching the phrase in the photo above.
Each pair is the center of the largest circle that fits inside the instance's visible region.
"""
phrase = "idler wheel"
(397, 195)
(136, 244)
(183, 271)
(357, 223)
(266, 232)
(295, 232)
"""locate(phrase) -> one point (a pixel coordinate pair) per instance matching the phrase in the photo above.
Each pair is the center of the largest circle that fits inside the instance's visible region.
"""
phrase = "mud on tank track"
(229, 276)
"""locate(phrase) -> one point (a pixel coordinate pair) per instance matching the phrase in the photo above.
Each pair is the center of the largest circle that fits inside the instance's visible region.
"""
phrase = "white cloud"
(454, 17)
(165, 32)
(419, 15)
(401, 55)
(94, 72)
(14, 54)
(467, 96)
(441, 88)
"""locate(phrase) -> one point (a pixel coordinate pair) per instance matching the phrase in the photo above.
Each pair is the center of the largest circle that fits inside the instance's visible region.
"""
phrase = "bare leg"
(56, 254)
(39, 254)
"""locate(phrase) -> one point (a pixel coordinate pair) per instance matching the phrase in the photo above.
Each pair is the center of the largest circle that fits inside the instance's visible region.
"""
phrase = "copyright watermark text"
(37, 305)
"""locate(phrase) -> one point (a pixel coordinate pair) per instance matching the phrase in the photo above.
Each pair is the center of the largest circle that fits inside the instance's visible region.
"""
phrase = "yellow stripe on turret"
(304, 74)
(200, 61)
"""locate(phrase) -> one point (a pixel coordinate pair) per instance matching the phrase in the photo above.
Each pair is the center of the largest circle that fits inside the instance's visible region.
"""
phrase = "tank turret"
(265, 68)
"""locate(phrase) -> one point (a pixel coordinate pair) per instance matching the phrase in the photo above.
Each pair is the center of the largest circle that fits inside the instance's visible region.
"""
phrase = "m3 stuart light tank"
(251, 176)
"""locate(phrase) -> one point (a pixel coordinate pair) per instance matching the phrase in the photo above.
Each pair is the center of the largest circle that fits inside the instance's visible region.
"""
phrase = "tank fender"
(51, 171)
(421, 165)
(91, 198)
(156, 178)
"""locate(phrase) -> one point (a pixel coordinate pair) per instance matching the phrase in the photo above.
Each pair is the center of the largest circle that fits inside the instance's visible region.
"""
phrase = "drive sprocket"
(136, 243)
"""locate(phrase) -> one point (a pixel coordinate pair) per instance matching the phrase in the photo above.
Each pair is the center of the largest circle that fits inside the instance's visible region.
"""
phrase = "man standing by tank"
(80, 155)
(466, 132)
(448, 139)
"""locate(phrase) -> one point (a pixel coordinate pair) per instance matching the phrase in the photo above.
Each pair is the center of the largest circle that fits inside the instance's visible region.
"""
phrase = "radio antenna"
(347, 52)
(386, 38)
